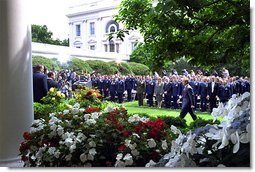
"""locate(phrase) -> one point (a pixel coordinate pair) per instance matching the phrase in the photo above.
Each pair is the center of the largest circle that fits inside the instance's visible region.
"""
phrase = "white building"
(90, 22)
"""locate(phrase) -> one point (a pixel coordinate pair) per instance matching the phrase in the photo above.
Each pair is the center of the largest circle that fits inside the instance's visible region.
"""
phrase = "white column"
(16, 91)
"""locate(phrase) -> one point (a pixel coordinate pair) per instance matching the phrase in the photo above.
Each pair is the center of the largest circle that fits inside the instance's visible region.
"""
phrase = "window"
(117, 48)
(92, 28)
(78, 30)
(105, 47)
(112, 47)
(112, 29)
(133, 44)
(111, 26)
(92, 47)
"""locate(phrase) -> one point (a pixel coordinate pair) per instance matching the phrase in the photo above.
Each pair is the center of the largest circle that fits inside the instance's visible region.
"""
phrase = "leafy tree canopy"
(209, 33)
(41, 34)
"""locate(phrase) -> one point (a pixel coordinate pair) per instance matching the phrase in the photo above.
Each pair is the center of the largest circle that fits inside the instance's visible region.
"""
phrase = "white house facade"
(91, 22)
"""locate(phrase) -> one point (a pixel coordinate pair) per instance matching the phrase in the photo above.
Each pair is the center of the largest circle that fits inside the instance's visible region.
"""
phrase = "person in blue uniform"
(106, 86)
(176, 87)
(113, 88)
(167, 92)
(203, 94)
(150, 91)
(129, 85)
(187, 100)
(40, 86)
(120, 89)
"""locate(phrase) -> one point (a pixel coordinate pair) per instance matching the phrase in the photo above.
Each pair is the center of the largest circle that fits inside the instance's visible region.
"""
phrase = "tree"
(50, 64)
(208, 33)
(41, 34)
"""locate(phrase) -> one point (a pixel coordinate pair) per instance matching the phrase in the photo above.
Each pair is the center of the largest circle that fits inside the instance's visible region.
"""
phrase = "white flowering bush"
(223, 145)
(81, 137)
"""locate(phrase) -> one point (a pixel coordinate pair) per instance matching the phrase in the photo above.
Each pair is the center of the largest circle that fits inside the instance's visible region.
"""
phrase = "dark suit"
(187, 102)
(140, 91)
(212, 93)
(51, 83)
(40, 86)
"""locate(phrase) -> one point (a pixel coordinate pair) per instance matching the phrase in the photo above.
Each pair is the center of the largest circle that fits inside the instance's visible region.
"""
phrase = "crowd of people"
(160, 91)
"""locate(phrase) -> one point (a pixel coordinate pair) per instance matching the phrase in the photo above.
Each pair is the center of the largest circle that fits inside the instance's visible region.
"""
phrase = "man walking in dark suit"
(187, 100)
(213, 90)
(40, 86)
(140, 90)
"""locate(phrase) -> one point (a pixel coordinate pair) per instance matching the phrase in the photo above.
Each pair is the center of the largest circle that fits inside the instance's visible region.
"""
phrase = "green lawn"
(133, 107)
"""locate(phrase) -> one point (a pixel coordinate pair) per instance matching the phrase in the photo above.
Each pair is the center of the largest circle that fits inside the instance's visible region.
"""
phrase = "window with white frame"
(78, 30)
(105, 47)
(112, 46)
(92, 28)
(92, 47)
(111, 26)
(117, 48)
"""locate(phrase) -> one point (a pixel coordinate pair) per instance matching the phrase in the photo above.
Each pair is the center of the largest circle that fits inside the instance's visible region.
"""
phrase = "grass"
(133, 107)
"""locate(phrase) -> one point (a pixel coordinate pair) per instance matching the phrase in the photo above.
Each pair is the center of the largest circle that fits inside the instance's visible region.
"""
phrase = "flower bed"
(226, 144)
(81, 137)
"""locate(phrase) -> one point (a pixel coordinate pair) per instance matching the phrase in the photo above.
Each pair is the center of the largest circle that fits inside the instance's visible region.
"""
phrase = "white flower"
(92, 144)
(57, 153)
(235, 140)
(119, 164)
(80, 137)
(72, 148)
(65, 112)
(134, 134)
(83, 157)
(132, 146)
(127, 142)
(175, 130)
(135, 152)
(68, 141)
(51, 150)
(94, 115)
(151, 163)
(60, 130)
(68, 157)
(91, 121)
(128, 159)
(152, 143)
(82, 109)
(90, 157)
(75, 110)
(119, 156)
(76, 105)
(92, 151)
(164, 145)
(86, 117)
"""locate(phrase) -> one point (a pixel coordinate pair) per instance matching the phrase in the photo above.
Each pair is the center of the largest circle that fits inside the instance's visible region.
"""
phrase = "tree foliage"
(208, 33)
(41, 34)
(50, 64)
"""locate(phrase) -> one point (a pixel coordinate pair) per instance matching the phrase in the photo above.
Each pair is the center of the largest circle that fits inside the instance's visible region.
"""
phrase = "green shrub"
(123, 67)
(79, 65)
(101, 67)
(139, 69)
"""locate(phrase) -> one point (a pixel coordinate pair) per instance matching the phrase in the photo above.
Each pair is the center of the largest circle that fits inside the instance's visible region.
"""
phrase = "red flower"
(138, 129)
(120, 127)
(122, 147)
(23, 147)
(154, 155)
(88, 93)
(99, 97)
(122, 109)
(114, 121)
(27, 136)
(24, 158)
(91, 109)
(125, 133)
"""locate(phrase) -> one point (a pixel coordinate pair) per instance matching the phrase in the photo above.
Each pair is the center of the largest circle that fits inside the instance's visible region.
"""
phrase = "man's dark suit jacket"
(40, 86)
(187, 97)
(52, 83)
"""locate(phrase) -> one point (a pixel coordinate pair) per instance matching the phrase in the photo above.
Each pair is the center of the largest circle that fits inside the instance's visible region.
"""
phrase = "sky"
(52, 13)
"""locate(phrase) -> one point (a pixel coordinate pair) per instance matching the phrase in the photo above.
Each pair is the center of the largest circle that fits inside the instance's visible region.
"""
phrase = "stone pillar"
(16, 91)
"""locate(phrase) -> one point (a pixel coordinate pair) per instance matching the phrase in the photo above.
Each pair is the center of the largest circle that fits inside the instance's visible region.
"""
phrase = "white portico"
(91, 22)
